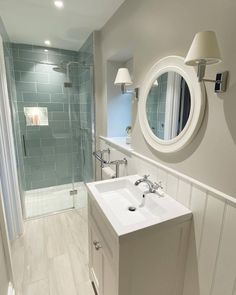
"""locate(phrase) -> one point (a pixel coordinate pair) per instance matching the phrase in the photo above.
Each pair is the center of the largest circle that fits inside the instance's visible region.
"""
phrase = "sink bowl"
(124, 206)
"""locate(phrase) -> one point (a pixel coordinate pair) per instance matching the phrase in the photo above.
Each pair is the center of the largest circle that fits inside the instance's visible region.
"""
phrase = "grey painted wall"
(150, 30)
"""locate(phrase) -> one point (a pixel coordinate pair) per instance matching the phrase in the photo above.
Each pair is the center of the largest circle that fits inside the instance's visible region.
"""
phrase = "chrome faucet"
(152, 186)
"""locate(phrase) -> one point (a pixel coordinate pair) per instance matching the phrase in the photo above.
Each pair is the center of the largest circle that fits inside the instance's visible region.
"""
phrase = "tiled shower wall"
(156, 107)
(211, 262)
(52, 154)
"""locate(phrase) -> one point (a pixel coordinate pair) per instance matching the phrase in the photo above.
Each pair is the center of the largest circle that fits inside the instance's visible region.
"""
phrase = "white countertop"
(113, 196)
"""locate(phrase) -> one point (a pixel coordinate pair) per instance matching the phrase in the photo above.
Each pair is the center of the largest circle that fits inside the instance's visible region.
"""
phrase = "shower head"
(59, 69)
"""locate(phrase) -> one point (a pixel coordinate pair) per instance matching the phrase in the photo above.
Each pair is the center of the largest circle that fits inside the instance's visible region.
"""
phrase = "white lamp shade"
(123, 77)
(204, 48)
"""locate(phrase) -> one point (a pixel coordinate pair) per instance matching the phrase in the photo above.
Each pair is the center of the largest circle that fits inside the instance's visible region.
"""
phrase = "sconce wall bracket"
(220, 82)
(135, 91)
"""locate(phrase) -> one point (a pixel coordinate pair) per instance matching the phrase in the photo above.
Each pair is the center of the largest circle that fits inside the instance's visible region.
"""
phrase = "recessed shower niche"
(36, 116)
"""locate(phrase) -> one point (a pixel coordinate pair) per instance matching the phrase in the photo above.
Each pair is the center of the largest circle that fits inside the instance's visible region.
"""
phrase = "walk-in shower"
(54, 117)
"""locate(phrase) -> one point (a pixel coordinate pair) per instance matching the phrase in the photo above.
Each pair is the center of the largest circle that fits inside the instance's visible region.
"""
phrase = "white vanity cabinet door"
(101, 269)
(96, 261)
(109, 278)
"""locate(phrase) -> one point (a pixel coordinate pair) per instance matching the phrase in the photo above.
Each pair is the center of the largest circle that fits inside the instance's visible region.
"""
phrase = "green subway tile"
(49, 88)
(49, 174)
(60, 116)
(37, 175)
(59, 97)
(25, 87)
(60, 141)
(59, 58)
(33, 151)
(43, 183)
(28, 183)
(64, 180)
(28, 47)
(43, 68)
(19, 95)
(21, 116)
(48, 142)
(63, 149)
(33, 56)
(73, 54)
(17, 75)
(42, 49)
(57, 78)
(24, 66)
(36, 97)
(34, 77)
(15, 52)
(59, 125)
(48, 150)
(47, 159)
(33, 143)
(22, 105)
(38, 134)
(54, 107)
(33, 162)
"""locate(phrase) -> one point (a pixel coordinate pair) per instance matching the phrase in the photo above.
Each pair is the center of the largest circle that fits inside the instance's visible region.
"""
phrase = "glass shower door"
(55, 126)
(80, 97)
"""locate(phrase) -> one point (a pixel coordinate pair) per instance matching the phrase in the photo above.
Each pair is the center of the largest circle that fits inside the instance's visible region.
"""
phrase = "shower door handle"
(24, 145)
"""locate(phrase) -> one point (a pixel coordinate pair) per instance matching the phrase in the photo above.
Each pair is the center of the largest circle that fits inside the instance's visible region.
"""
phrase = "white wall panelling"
(211, 263)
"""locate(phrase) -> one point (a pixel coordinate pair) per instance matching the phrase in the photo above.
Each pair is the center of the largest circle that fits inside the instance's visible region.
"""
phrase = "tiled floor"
(43, 201)
(51, 258)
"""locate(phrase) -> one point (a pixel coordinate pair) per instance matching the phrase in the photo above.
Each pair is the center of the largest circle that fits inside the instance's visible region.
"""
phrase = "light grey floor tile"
(51, 258)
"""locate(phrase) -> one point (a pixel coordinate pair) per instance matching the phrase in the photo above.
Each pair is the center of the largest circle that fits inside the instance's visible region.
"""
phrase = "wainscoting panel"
(211, 262)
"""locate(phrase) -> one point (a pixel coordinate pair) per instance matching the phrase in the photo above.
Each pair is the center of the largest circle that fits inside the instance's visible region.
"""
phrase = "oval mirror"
(168, 105)
(171, 105)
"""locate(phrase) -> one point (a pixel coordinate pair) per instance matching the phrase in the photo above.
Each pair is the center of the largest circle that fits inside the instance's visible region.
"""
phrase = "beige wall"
(151, 29)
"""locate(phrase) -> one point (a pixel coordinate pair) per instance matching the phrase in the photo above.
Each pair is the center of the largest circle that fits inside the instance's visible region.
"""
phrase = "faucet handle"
(158, 185)
(146, 176)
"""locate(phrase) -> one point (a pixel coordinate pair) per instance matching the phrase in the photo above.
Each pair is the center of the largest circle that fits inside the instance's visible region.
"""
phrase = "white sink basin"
(116, 196)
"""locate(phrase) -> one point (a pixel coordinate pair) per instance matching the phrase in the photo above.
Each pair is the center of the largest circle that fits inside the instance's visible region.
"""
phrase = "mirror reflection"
(168, 105)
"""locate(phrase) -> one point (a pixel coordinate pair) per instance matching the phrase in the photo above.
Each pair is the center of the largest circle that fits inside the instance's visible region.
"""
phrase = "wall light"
(205, 51)
(123, 79)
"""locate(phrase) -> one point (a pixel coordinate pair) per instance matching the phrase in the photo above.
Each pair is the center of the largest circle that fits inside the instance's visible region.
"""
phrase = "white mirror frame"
(197, 91)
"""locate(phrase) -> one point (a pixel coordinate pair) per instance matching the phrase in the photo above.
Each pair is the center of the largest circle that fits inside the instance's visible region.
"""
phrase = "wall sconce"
(123, 79)
(205, 51)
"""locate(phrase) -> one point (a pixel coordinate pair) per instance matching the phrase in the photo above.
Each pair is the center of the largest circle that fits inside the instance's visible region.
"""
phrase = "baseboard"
(11, 290)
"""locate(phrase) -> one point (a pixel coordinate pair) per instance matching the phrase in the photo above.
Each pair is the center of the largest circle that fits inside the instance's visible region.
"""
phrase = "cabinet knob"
(97, 245)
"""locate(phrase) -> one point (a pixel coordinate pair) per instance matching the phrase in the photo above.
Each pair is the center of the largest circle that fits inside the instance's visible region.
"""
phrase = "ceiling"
(33, 21)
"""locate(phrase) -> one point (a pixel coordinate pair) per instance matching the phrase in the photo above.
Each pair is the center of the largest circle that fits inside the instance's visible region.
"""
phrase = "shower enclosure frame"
(8, 168)
(73, 191)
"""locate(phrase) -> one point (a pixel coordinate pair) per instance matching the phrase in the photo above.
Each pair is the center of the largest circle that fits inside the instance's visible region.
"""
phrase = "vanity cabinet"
(147, 261)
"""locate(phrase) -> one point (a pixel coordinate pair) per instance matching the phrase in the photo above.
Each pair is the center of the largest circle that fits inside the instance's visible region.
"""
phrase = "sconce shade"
(204, 49)
(123, 77)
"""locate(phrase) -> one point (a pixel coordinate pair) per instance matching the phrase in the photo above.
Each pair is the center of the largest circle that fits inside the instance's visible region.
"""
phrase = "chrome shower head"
(59, 69)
